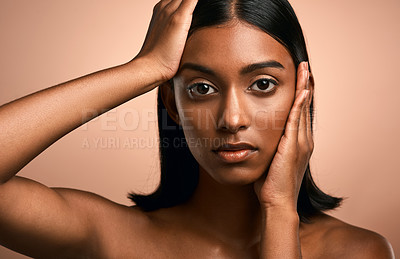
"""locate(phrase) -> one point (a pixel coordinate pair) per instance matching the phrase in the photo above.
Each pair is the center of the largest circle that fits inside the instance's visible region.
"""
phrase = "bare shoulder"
(113, 225)
(102, 211)
(342, 240)
(49, 222)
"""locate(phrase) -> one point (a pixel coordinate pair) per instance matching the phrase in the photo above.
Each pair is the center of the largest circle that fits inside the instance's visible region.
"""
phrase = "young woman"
(236, 96)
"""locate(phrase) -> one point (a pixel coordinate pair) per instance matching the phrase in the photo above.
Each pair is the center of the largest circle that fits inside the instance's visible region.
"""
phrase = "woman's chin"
(236, 176)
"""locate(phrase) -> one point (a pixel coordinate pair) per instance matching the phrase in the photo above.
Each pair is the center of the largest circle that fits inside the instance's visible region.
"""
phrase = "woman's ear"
(168, 98)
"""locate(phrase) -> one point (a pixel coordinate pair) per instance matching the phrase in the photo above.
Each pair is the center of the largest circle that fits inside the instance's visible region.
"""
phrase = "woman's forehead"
(234, 44)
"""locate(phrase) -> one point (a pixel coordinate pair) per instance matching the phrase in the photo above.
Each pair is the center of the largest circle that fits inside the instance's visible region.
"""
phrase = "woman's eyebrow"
(245, 70)
(253, 67)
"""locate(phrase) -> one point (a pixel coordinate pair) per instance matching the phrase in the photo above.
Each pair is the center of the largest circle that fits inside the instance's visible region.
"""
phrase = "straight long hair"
(179, 169)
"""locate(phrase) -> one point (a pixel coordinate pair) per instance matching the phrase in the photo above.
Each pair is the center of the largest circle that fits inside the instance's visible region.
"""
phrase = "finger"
(187, 6)
(173, 5)
(160, 5)
(303, 137)
(158, 8)
(303, 66)
(293, 122)
(309, 131)
(302, 133)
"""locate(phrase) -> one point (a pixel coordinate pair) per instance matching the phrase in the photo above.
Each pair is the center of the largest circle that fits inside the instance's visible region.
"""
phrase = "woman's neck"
(231, 213)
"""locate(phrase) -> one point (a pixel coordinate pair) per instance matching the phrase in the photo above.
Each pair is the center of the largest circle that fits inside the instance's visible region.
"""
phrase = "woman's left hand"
(281, 185)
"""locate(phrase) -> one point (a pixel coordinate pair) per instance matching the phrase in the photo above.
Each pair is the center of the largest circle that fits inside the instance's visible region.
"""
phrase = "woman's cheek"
(197, 118)
(271, 118)
(279, 119)
(263, 120)
(269, 125)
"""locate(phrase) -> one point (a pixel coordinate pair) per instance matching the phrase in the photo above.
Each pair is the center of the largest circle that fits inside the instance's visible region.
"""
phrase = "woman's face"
(235, 85)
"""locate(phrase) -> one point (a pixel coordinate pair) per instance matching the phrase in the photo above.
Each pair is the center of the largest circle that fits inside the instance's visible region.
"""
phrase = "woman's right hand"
(166, 36)
(31, 124)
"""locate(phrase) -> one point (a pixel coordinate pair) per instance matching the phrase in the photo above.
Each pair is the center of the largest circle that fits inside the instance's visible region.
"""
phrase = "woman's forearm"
(31, 124)
(280, 234)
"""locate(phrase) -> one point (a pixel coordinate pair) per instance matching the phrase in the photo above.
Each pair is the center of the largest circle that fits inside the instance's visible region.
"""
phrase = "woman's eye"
(264, 85)
(201, 89)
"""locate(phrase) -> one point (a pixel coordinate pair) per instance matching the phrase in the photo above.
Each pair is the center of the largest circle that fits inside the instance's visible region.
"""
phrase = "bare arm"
(280, 234)
(31, 124)
(278, 191)
(40, 221)
(34, 219)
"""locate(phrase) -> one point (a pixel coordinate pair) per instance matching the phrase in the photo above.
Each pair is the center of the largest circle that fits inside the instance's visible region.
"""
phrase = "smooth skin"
(242, 215)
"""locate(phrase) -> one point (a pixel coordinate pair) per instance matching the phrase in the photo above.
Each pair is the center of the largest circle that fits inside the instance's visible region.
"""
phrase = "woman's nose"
(232, 113)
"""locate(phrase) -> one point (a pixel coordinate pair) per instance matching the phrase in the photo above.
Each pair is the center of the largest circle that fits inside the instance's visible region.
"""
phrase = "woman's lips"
(234, 156)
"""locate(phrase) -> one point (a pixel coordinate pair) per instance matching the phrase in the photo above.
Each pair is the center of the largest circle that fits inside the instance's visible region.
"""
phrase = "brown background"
(354, 49)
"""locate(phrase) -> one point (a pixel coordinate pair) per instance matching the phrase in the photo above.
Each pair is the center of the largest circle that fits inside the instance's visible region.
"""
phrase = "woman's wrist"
(281, 213)
(288, 205)
(152, 71)
(280, 233)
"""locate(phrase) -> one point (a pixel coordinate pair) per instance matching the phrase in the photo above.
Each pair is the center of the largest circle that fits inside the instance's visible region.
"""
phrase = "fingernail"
(305, 65)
